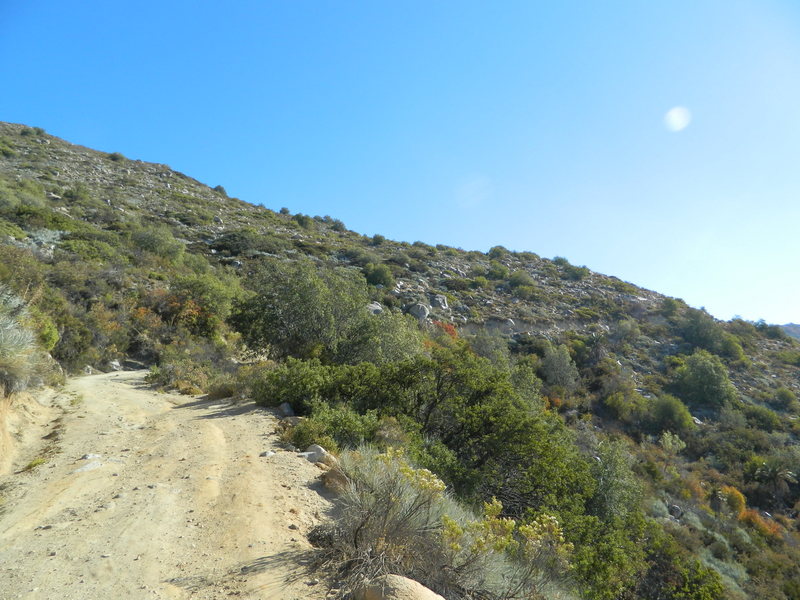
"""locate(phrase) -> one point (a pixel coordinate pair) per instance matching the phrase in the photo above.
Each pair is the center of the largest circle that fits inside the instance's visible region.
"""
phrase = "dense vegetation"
(663, 442)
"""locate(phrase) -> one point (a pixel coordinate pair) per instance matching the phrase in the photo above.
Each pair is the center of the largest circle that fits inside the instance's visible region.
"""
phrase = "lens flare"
(677, 118)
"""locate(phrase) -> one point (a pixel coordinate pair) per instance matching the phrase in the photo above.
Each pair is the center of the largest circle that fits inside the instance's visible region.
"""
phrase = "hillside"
(664, 441)
(793, 329)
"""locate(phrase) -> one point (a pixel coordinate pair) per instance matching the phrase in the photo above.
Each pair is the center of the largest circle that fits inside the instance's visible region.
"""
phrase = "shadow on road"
(219, 409)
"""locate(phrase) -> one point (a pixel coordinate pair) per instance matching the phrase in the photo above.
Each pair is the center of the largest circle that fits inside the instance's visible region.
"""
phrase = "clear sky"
(655, 141)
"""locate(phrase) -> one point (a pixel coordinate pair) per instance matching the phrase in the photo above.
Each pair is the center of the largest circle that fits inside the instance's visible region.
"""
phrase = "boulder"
(285, 410)
(114, 365)
(420, 311)
(334, 480)
(395, 587)
(317, 454)
(439, 301)
(375, 308)
(676, 511)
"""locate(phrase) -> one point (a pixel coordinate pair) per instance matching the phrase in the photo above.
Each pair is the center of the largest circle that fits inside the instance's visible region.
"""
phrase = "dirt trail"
(148, 495)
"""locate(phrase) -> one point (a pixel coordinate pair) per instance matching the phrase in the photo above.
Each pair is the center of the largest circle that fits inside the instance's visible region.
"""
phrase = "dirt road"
(135, 494)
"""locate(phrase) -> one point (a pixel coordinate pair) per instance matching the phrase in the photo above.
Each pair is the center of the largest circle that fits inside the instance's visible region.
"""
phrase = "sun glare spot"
(677, 118)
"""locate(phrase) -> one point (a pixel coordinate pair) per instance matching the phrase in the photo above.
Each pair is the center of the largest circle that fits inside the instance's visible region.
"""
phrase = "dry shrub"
(769, 529)
(735, 500)
(397, 519)
(19, 359)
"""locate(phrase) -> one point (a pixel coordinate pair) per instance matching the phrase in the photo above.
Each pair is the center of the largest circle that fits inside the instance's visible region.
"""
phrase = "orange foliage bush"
(735, 500)
(759, 523)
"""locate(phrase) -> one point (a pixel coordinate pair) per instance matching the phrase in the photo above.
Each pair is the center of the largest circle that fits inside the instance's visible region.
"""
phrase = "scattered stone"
(676, 511)
(375, 308)
(267, 453)
(285, 410)
(293, 526)
(395, 587)
(291, 421)
(439, 301)
(114, 365)
(89, 467)
(91, 456)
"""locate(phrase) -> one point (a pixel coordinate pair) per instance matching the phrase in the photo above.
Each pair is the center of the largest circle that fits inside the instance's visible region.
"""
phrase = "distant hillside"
(666, 442)
(793, 329)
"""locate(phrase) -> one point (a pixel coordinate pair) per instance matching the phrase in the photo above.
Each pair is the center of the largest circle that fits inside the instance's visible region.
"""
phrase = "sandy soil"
(149, 495)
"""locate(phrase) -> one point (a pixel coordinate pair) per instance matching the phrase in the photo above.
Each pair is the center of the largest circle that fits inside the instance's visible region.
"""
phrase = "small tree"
(702, 380)
(558, 369)
(379, 275)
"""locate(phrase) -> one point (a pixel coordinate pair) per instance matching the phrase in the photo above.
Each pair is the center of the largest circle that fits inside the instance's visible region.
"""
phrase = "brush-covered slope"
(695, 419)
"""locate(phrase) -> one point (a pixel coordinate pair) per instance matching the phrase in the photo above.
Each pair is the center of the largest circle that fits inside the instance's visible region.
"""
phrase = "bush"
(18, 356)
(303, 221)
(497, 271)
(521, 278)
(306, 312)
(378, 275)
(159, 241)
(569, 271)
(702, 380)
(422, 534)
(558, 369)
(783, 398)
(527, 292)
(667, 413)
(339, 424)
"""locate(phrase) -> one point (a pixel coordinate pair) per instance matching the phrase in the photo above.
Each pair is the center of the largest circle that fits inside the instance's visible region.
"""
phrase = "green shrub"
(480, 282)
(457, 284)
(298, 382)
(702, 380)
(667, 413)
(306, 312)
(762, 418)
(303, 221)
(159, 241)
(340, 424)
(379, 275)
(575, 273)
(497, 271)
(521, 278)
(783, 398)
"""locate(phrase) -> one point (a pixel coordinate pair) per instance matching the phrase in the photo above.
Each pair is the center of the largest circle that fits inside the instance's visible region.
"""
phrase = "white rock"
(395, 587)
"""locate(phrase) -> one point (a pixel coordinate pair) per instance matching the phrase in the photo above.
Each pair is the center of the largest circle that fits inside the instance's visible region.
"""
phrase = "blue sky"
(534, 125)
